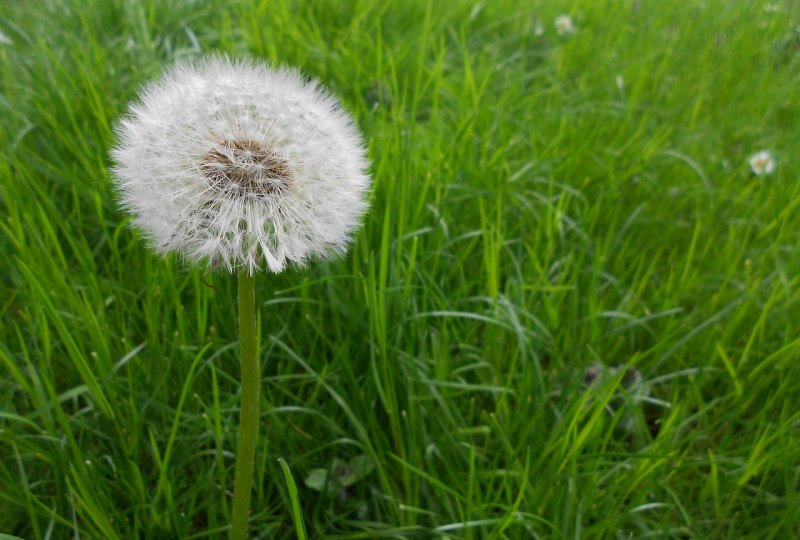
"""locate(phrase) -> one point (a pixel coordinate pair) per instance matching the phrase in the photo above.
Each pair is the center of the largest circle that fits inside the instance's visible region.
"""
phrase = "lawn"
(572, 311)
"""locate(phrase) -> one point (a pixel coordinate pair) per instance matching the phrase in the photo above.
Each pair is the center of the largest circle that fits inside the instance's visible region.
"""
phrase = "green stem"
(248, 417)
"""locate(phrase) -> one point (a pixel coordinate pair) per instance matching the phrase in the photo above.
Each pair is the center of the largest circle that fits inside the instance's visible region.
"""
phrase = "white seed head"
(237, 164)
(762, 163)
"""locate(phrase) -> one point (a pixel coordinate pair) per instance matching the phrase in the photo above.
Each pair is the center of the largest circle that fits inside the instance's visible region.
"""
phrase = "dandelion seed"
(564, 25)
(242, 166)
(234, 163)
(762, 163)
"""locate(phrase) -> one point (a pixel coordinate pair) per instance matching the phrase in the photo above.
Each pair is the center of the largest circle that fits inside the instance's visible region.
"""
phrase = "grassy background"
(572, 310)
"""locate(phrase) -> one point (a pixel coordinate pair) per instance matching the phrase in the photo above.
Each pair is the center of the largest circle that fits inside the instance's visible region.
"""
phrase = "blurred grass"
(572, 311)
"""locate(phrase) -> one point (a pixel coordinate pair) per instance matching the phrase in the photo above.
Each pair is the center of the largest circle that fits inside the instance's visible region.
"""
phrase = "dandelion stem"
(248, 417)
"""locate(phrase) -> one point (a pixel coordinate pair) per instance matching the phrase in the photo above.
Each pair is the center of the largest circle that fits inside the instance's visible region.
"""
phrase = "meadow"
(572, 310)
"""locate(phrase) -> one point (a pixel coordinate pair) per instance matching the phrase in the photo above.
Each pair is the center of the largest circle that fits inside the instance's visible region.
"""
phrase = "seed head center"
(242, 168)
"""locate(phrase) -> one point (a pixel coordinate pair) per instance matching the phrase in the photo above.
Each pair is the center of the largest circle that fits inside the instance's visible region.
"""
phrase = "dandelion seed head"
(762, 163)
(236, 164)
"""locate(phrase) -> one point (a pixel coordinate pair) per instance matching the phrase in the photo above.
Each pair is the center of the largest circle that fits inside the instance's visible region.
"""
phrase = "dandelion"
(564, 25)
(240, 166)
(762, 163)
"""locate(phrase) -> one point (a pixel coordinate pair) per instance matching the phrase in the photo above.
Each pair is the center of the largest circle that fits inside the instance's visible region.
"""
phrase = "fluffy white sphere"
(238, 164)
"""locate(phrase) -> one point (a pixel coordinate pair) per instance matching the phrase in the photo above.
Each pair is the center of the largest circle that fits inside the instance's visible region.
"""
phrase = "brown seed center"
(241, 168)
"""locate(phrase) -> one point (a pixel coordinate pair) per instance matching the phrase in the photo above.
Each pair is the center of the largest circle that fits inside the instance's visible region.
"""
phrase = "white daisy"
(564, 25)
(236, 163)
(762, 163)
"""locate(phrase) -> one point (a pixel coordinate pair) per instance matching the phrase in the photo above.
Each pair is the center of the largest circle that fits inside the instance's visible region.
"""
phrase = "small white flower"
(4, 39)
(762, 163)
(538, 28)
(620, 83)
(564, 25)
(235, 163)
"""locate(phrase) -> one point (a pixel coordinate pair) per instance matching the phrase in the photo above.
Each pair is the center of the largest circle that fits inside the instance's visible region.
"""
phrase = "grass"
(572, 311)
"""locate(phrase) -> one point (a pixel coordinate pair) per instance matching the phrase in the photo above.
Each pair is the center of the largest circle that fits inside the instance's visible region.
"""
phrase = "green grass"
(572, 312)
